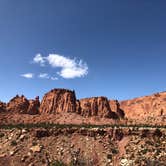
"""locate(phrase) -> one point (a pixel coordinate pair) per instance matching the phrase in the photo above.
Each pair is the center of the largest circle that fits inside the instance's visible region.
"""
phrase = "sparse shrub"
(2, 135)
(114, 151)
(57, 163)
(157, 133)
(34, 143)
(144, 151)
(13, 143)
(109, 156)
(149, 142)
(145, 133)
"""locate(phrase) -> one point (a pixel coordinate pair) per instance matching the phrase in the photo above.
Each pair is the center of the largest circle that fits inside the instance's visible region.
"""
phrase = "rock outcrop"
(115, 107)
(145, 107)
(34, 106)
(18, 104)
(95, 106)
(2, 106)
(58, 100)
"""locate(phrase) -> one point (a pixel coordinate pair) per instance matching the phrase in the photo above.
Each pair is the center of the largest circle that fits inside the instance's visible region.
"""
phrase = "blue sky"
(118, 47)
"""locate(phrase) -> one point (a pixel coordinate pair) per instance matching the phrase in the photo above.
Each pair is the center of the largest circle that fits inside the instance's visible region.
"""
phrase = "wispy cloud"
(70, 68)
(28, 75)
(39, 59)
(44, 76)
(54, 78)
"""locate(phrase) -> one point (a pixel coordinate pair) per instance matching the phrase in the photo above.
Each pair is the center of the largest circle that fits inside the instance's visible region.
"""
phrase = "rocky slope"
(82, 146)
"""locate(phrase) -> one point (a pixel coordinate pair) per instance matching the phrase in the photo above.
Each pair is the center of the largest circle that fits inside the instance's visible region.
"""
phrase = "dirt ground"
(81, 146)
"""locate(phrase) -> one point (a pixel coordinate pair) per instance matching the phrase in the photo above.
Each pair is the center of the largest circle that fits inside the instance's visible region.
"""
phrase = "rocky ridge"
(152, 106)
(60, 101)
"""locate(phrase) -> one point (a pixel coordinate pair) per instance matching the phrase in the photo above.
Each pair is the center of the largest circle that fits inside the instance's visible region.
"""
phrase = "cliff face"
(151, 107)
(143, 107)
(34, 106)
(115, 107)
(62, 100)
(20, 104)
(58, 100)
(95, 106)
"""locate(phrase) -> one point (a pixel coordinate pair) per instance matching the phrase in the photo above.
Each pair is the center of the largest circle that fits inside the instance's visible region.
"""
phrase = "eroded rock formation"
(95, 106)
(18, 104)
(115, 107)
(34, 106)
(58, 100)
(144, 107)
(147, 108)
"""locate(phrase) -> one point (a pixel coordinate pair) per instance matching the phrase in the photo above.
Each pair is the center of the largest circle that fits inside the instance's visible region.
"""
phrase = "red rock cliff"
(115, 107)
(58, 100)
(144, 107)
(34, 106)
(95, 106)
(20, 104)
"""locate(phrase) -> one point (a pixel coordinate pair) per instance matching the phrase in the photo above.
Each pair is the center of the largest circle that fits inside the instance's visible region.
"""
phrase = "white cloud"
(73, 72)
(56, 60)
(28, 75)
(54, 78)
(39, 59)
(70, 68)
(44, 76)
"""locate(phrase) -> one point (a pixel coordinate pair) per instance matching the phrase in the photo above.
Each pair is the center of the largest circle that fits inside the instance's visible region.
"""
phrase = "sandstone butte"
(62, 100)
